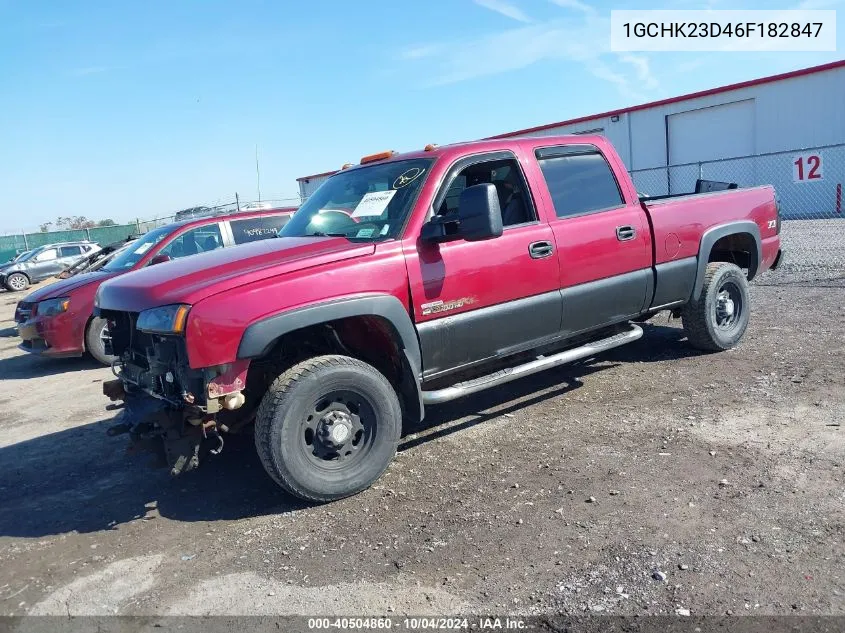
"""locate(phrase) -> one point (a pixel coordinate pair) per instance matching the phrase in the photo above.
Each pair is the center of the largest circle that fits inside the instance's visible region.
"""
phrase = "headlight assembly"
(52, 307)
(164, 320)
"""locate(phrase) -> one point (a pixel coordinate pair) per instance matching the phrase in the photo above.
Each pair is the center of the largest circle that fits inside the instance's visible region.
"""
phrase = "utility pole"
(237, 202)
(257, 173)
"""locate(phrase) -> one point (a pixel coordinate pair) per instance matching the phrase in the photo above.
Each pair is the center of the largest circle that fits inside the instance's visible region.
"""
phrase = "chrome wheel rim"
(728, 306)
(17, 282)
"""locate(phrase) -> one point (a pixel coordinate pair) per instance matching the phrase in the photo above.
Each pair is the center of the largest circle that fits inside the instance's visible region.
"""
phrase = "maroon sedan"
(57, 320)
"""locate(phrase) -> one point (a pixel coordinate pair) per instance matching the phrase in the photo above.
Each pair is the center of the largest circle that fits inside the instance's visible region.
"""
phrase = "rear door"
(603, 241)
(69, 255)
(475, 301)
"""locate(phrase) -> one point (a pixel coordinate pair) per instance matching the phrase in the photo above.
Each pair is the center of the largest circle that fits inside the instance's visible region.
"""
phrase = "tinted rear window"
(70, 251)
(580, 182)
(254, 229)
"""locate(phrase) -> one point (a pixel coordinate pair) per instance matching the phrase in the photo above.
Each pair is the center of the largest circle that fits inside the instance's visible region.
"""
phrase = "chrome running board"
(532, 367)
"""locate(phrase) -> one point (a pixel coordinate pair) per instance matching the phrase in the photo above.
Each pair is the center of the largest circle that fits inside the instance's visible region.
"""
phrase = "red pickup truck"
(413, 279)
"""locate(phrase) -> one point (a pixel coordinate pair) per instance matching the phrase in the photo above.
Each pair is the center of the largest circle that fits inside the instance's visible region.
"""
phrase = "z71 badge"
(445, 306)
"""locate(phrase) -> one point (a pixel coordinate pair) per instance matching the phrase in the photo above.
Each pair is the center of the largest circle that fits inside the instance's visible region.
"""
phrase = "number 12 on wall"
(807, 167)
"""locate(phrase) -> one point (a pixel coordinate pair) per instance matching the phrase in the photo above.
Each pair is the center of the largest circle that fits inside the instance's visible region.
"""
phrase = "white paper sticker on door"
(373, 203)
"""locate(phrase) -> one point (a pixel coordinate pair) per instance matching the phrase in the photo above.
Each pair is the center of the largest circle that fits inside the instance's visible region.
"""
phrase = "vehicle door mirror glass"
(479, 214)
(159, 259)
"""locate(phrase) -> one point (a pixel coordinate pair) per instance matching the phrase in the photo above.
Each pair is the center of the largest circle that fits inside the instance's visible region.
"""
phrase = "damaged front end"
(168, 408)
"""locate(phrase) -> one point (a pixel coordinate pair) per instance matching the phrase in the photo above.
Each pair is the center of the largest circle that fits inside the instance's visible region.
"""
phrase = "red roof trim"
(653, 104)
(694, 95)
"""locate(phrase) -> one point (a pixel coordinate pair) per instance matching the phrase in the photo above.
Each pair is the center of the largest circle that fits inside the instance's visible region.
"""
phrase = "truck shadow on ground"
(659, 343)
(27, 366)
(79, 479)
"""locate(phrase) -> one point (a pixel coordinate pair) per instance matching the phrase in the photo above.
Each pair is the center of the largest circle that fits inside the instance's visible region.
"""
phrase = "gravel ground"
(651, 480)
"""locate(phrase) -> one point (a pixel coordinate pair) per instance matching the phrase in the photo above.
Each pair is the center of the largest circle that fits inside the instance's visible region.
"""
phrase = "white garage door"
(723, 131)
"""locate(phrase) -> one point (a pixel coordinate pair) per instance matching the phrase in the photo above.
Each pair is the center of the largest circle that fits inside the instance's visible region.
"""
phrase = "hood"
(64, 287)
(12, 266)
(191, 279)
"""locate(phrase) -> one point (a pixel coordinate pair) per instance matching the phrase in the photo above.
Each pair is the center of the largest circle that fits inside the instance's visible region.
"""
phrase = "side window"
(254, 229)
(579, 181)
(70, 251)
(46, 256)
(510, 185)
(199, 240)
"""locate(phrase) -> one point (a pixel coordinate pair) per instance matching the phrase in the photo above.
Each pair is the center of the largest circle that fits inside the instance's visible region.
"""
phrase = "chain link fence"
(808, 184)
(13, 244)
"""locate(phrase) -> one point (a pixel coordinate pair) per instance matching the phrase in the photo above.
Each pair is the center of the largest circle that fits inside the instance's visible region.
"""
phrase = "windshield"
(370, 203)
(130, 255)
(27, 256)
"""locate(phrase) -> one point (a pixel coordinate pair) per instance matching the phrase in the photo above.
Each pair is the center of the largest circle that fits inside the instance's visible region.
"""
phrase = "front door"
(46, 265)
(474, 301)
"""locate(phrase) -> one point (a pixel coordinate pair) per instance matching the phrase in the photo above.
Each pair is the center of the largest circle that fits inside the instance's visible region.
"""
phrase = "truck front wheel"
(717, 319)
(328, 427)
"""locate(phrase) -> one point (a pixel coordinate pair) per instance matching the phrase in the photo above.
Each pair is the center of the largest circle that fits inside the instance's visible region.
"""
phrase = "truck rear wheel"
(716, 320)
(328, 427)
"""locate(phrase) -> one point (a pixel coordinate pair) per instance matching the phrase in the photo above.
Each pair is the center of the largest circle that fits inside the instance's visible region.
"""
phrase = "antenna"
(257, 173)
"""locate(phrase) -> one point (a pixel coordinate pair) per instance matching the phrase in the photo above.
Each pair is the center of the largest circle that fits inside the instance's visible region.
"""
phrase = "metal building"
(787, 130)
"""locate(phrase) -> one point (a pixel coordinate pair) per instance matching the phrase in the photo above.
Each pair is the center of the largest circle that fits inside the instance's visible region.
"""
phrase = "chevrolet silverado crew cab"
(413, 279)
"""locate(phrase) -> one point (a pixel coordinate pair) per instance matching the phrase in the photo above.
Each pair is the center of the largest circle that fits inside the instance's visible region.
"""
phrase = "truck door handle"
(625, 233)
(539, 250)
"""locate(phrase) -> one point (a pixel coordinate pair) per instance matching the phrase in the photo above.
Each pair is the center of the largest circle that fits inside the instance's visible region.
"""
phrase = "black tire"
(94, 343)
(716, 320)
(17, 282)
(334, 388)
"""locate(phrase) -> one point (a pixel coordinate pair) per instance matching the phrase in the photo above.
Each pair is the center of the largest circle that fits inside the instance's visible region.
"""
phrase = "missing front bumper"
(176, 436)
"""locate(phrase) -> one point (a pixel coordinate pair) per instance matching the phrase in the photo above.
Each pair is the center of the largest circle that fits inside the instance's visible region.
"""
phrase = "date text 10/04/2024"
(418, 623)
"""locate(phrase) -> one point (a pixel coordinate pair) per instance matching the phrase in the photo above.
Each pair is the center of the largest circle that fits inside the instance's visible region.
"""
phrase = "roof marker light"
(374, 157)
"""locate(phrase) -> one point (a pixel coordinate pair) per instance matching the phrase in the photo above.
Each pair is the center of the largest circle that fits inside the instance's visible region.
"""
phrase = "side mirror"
(479, 214)
(477, 218)
(158, 259)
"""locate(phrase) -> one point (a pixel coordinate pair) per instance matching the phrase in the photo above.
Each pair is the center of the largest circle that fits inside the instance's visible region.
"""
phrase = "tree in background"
(74, 222)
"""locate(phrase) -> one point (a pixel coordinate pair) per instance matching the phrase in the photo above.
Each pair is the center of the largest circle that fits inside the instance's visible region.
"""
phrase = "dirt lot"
(567, 491)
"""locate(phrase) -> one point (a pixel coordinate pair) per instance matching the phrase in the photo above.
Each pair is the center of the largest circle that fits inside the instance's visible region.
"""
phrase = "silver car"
(43, 262)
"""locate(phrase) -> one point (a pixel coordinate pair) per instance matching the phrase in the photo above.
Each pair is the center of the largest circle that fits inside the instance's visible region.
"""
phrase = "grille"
(24, 311)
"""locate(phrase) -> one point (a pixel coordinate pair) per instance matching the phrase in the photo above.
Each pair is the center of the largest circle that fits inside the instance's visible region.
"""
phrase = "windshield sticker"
(365, 233)
(385, 229)
(408, 177)
(143, 248)
(373, 203)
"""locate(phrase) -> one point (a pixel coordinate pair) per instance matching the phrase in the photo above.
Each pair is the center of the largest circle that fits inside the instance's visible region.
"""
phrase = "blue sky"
(137, 109)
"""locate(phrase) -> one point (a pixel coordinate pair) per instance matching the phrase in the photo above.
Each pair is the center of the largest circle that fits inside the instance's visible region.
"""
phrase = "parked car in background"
(93, 259)
(44, 262)
(411, 280)
(57, 320)
(192, 212)
(255, 206)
